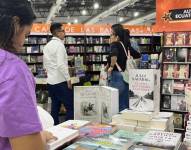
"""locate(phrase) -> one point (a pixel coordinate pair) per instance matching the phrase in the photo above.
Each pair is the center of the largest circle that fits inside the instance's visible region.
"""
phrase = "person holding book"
(20, 126)
(55, 61)
(118, 37)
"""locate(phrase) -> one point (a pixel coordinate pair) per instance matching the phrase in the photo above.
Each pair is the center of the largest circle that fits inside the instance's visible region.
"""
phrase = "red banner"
(173, 15)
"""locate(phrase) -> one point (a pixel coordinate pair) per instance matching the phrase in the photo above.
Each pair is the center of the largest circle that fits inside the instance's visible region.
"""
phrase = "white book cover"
(74, 124)
(86, 106)
(63, 135)
(109, 99)
(162, 139)
(95, 103)
(144, 87)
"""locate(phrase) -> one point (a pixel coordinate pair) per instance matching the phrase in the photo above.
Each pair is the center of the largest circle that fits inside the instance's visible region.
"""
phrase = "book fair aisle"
(111, 75)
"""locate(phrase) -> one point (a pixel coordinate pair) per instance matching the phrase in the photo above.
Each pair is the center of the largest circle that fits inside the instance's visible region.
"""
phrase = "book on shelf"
(166, 101)
(178, 121)
(95, 103)
(189, 55)
(178, 87)
(178, 103)
(168, 71)
(188, 95)
(144, 90)
(167, 87)
(169, 39)
(189, 39)
(161, 139)
(170, 54)
(181, 54)
(180, 38)
(63, 136)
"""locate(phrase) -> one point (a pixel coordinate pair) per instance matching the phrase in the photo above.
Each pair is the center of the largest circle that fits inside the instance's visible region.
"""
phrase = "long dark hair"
(123, 34)
(9, 9)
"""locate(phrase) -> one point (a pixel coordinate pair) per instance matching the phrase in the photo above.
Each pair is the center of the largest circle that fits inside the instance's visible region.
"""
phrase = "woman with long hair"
(120, 37)
(20, 126)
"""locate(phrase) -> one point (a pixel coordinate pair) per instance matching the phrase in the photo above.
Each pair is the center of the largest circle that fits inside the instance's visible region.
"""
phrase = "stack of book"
(143, 121)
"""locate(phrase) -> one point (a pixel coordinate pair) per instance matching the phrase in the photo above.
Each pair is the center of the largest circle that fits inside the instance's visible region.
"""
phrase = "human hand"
(69, 84)
(48, 136)
(110, 69)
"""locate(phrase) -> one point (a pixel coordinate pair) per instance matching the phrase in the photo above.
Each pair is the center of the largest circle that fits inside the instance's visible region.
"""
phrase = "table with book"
(120, 135)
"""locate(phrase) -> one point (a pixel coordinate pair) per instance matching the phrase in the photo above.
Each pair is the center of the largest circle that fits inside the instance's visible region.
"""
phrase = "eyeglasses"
(61, 31)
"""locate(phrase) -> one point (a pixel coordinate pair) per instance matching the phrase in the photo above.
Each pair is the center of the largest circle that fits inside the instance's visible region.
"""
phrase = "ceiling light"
(96, 5)
(136, 14)
(69, 23)
(75, 20)
(84, 12)
(121, 19)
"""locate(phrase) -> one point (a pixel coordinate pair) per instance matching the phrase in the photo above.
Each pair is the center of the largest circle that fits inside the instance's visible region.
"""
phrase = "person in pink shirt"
(20, 126)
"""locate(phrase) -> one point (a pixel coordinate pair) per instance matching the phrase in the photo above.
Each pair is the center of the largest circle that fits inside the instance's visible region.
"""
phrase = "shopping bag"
(103, 77)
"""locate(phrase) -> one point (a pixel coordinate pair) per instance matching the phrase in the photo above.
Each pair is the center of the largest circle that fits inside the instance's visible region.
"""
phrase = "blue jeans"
(59, 94)
(116, 81)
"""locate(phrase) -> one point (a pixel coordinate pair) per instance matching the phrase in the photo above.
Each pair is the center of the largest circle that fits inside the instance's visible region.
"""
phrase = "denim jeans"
(59, 94)
(116, 81)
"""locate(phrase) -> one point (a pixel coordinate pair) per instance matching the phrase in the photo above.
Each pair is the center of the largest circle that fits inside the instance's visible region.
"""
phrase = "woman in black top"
(117, 55)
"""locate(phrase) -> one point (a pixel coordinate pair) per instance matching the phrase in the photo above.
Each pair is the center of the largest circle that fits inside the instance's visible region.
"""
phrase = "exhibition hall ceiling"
(95, 11)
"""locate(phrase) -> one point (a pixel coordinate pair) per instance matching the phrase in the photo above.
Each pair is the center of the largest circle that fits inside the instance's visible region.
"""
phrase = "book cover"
(181, 54)
(189, 39)
(178, 103)
(109, 105)
(130, 135)
(167, 87)
(169, 54)
(183, 71)
(178, 87)
(169, 39)
(178, 120)
(180, 38)
(166, 102)
(188, 95)
(144, 88)
(162, 139)
(104, 143)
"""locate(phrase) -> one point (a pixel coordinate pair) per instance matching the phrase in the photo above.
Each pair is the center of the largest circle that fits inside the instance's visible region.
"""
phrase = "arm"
(28, 142)
(62, 63)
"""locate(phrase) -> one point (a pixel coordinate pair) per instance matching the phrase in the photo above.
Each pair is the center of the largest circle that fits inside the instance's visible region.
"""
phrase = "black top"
(118, 51)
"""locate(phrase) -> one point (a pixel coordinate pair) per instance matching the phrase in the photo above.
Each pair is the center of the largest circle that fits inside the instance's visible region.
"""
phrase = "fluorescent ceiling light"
(84, 12)
(121, 19)
(75, 20)
(135, 14)
(96, 5)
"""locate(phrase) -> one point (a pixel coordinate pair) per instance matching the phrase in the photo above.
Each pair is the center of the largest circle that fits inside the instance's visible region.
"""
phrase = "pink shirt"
(18, 111)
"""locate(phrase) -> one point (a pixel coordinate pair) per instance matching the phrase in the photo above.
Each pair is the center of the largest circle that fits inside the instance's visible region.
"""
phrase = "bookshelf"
(176, 77)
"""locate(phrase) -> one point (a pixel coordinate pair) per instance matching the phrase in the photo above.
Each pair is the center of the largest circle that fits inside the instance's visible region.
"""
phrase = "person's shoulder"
(11, 65)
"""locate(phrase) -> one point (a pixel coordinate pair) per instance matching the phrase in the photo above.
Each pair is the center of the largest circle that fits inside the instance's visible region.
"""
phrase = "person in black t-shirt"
(117, 55)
